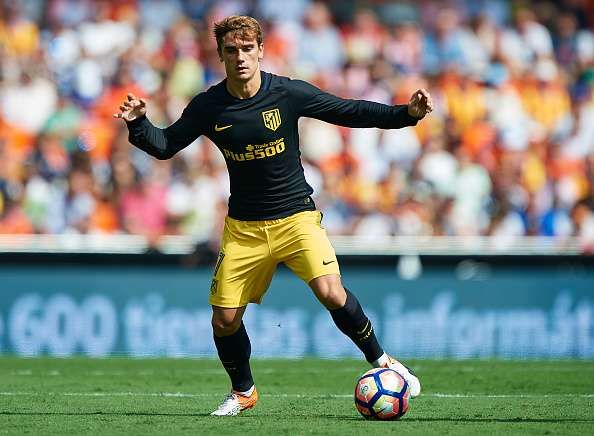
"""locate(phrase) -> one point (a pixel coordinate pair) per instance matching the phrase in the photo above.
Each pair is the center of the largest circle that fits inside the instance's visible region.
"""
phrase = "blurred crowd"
(508, 150)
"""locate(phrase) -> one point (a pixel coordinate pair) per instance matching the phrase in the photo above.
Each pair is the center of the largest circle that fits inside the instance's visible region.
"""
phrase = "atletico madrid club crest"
(272, 119)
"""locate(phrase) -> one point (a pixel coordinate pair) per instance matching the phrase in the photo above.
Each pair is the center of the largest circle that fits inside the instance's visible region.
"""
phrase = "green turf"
(174, 396)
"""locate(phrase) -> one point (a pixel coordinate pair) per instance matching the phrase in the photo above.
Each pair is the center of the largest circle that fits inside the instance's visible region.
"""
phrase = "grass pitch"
(310, 396)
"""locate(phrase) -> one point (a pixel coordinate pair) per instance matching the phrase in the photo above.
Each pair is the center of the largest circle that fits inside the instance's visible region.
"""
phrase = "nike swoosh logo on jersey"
(327, 263)
(218, 129)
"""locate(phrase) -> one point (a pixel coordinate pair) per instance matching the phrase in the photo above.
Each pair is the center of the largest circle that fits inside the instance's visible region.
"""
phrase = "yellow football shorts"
(251, 250)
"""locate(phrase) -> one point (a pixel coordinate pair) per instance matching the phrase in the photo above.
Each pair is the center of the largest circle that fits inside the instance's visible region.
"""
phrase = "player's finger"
(424, 92)
(117, 115)
(131, 96)
(124, 108)
(129, 104)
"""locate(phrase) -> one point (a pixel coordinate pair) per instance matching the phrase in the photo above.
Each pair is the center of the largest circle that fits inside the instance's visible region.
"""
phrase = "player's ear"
(261, 51)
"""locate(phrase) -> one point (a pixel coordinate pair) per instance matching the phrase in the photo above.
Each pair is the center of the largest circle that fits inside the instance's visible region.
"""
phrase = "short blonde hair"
(243, 26)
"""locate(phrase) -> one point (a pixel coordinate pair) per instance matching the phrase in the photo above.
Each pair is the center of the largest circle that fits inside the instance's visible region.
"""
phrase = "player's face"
(241, 57)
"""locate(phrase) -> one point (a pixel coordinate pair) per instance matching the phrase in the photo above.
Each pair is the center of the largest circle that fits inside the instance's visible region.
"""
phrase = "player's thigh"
(243, 270)
(305, 248)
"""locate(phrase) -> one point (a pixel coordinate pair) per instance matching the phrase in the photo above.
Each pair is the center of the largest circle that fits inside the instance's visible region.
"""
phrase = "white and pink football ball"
(382, 393)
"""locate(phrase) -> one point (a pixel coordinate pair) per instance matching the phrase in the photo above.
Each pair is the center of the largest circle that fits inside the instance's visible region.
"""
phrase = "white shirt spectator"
(63, 50)
(526, 42)
(401, 146)
(472, 188)
(439, 168)
(319, 139)
(507, 114)
(585, 46)
(365, 145)
(18, 110)
(474, 53)
(538, 39)
(88, 81)
(106, 37)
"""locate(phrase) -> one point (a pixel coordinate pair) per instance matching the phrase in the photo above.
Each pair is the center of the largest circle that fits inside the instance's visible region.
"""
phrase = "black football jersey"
(259, 139)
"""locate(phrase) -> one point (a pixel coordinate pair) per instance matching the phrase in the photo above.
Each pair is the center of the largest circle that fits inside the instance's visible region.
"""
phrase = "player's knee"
(225, 326)
(330, 292)
(335, 298)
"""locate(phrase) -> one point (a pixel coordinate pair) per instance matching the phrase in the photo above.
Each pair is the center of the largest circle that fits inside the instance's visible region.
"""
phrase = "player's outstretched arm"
(310, 101)
(420, 104)
(160, 143)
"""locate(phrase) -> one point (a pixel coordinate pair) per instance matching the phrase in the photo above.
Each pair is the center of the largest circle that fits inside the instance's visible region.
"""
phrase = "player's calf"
(352, 321)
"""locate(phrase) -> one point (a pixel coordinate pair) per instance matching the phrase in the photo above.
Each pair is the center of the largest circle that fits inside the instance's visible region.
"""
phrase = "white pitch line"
(313, 396)
(209, 371)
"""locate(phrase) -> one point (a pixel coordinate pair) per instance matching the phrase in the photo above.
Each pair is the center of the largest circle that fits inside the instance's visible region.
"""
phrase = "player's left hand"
(420, 104)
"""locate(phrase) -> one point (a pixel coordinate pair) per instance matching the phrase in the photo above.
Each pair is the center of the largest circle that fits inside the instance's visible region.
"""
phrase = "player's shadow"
(435, 419)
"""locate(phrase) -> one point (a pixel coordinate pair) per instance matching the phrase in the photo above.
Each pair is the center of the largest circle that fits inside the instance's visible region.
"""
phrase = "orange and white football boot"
(234, 403)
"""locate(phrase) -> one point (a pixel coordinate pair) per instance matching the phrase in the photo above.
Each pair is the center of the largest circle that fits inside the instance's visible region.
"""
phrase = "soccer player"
(252, 116)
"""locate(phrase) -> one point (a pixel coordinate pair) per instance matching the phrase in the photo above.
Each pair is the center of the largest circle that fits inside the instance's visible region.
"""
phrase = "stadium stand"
(508, 151)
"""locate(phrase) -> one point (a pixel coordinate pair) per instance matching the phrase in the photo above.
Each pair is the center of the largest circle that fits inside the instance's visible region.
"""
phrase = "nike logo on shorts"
(327, 263)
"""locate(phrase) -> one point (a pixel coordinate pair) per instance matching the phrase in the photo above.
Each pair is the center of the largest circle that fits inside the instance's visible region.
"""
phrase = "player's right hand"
(132, 108)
